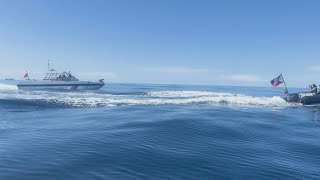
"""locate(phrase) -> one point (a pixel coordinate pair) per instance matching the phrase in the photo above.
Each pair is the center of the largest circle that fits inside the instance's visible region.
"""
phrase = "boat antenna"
(48, 65)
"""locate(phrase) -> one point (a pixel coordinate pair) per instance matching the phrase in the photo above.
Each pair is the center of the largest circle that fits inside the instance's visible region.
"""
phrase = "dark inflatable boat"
(305, 98)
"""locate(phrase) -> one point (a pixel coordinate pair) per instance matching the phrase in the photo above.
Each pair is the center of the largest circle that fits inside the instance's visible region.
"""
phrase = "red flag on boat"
(26, 75)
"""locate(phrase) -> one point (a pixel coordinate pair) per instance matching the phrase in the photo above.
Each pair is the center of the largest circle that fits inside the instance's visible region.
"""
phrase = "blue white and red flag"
(277, 81)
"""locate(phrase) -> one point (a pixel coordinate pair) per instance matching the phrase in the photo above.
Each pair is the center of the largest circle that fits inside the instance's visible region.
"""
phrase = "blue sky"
(225, 42)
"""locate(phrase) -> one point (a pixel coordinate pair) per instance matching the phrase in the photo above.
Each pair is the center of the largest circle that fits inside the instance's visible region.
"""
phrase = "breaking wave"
(89, 99)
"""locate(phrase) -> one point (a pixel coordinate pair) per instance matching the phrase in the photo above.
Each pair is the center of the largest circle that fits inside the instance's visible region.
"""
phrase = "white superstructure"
(59, 81)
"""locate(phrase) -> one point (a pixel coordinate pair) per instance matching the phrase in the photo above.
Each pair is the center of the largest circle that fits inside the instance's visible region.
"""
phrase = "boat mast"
(48, 65)
(284, 82)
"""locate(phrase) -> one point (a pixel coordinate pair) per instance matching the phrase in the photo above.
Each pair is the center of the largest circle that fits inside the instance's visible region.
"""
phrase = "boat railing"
(55, 76)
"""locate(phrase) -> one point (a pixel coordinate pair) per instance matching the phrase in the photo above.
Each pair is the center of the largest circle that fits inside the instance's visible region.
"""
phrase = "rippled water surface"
(142, 131)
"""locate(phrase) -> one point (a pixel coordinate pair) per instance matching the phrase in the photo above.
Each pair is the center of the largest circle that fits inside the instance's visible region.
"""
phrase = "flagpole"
(284, 82)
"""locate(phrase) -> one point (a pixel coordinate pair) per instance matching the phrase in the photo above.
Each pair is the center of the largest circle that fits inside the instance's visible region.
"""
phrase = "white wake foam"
(86, 99)
(185, 94)
(213, 97)
(8, 87)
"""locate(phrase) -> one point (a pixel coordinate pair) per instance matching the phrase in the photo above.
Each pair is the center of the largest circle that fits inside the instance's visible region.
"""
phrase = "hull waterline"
(41, 85)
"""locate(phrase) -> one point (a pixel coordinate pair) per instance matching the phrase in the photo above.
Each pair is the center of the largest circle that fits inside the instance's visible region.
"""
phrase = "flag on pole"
(277, 81)
(26, 75)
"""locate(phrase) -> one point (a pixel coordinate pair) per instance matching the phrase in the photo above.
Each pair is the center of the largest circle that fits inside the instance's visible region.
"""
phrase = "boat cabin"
(53, 75)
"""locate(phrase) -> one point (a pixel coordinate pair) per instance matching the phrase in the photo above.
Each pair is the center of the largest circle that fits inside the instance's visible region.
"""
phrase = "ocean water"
(144, 131)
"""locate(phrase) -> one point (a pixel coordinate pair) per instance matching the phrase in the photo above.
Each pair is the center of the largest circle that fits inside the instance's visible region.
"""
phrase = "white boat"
(59, 81)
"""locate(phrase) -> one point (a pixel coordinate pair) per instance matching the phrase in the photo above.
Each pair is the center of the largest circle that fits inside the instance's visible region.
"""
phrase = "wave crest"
(87, 99)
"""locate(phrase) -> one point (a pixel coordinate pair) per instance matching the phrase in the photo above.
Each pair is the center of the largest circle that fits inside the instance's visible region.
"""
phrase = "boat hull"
(56, 85)
(303, 98)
